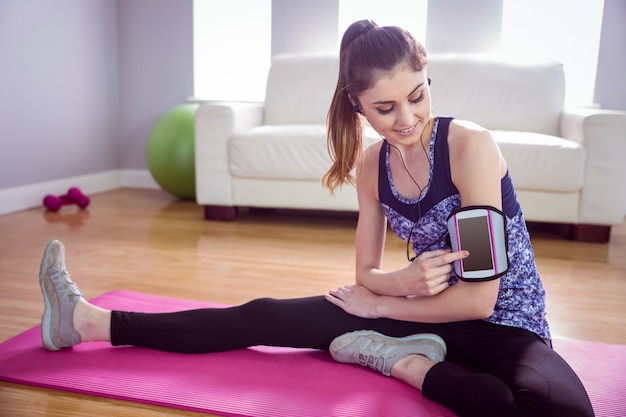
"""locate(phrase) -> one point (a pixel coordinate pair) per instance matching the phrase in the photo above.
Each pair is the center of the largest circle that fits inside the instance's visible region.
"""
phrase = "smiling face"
(398, 105)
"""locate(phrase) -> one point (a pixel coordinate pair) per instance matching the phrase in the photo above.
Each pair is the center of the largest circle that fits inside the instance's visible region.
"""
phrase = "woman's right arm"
(427, 275)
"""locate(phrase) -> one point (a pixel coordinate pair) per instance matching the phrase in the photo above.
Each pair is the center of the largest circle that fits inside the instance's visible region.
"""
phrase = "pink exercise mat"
(260, 381)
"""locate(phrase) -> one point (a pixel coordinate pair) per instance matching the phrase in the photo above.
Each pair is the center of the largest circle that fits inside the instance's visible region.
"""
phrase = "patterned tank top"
(521, 298)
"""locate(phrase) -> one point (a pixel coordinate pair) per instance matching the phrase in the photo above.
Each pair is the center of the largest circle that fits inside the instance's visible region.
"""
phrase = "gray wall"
(610, 80)
(293, 23)
(58, 89)
(155, 69)
(448, 28)
(82, 82)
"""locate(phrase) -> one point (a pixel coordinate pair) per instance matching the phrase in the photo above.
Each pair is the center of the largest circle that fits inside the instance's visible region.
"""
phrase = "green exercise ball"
(170, 151)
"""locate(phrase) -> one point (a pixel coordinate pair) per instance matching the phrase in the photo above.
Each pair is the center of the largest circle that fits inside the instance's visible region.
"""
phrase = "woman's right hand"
(429, 273)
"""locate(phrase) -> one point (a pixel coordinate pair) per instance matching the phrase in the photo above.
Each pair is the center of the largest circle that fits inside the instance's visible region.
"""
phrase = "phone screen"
(474, 237)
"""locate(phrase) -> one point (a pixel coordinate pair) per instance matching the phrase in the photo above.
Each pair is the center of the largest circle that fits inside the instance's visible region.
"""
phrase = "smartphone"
(482, 232)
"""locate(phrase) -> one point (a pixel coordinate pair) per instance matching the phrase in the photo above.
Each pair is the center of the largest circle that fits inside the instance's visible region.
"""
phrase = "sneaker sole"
(349, 338)
(48, 312)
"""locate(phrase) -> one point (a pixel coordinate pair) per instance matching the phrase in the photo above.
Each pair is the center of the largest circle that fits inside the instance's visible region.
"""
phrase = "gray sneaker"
(60, 294)
(380, 352)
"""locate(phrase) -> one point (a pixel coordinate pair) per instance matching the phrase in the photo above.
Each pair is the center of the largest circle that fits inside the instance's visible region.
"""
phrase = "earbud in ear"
(355, 104)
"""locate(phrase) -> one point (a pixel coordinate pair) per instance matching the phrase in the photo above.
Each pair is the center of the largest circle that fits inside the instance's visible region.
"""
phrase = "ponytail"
(343, 123)
(366, 51)
(345, 140)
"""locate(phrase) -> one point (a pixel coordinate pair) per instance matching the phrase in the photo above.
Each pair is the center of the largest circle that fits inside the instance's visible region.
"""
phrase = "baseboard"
(30, 196)
(137, 178)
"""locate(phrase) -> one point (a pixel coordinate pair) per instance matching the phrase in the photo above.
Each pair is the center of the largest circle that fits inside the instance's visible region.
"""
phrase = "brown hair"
(366, 51)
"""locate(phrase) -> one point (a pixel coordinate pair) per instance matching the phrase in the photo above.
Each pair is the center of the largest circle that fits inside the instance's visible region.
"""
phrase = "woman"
(402, 323)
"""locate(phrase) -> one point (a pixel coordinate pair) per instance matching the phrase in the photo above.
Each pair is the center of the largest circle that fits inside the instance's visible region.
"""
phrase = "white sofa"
(568, 165)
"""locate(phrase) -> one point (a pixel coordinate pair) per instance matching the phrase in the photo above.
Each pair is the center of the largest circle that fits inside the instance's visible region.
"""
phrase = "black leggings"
(490, 370)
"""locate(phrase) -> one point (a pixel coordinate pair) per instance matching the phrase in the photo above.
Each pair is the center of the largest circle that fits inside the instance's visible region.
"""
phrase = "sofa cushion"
(297, 152)
(542, 162)
(500, 95)
(300, 88)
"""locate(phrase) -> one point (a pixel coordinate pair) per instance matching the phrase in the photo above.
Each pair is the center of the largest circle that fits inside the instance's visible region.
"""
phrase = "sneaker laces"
(67, 280)
(374, 361)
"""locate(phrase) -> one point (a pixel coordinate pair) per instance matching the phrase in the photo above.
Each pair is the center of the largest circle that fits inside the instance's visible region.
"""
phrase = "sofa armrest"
(215, 123)
(603, 134)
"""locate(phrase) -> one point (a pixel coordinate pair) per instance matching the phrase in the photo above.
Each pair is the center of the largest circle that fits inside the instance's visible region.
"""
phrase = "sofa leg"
(590, 233)
(223, 213)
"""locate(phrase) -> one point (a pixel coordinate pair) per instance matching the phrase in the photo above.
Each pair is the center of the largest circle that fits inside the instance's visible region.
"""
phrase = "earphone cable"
(421, 190)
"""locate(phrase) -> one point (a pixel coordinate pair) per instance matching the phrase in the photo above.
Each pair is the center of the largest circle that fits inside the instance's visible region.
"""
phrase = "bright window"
(232, 49)
(563, 30)
(408, 14)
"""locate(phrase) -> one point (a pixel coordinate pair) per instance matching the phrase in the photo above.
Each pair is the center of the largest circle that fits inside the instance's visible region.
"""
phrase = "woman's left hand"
(354, 299)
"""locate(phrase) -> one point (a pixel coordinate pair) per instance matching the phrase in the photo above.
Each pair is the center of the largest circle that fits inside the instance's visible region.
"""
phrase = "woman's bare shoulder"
(464, 129)
(367, 168)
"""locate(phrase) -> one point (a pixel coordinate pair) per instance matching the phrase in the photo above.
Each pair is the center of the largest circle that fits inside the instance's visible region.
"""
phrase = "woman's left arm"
(476, 165)
(477, 168)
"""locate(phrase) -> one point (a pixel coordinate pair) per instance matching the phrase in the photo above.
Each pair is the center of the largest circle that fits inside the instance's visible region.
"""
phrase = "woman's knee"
(546, 394)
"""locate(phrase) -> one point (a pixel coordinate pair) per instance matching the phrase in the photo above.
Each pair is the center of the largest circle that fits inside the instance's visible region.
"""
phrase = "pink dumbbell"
(73, 196)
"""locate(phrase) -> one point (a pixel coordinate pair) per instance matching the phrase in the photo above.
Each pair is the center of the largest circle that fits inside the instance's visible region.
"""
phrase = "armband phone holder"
(481, 230)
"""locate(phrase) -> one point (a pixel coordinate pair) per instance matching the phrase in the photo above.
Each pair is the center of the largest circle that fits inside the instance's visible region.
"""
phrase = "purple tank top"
(521, 298)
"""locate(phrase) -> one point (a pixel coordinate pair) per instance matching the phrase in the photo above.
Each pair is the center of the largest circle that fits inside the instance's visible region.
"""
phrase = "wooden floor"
(150, 242)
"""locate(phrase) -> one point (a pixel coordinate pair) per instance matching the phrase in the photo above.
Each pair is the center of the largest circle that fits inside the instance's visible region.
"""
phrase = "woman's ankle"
(93, 323)
(412, 369)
